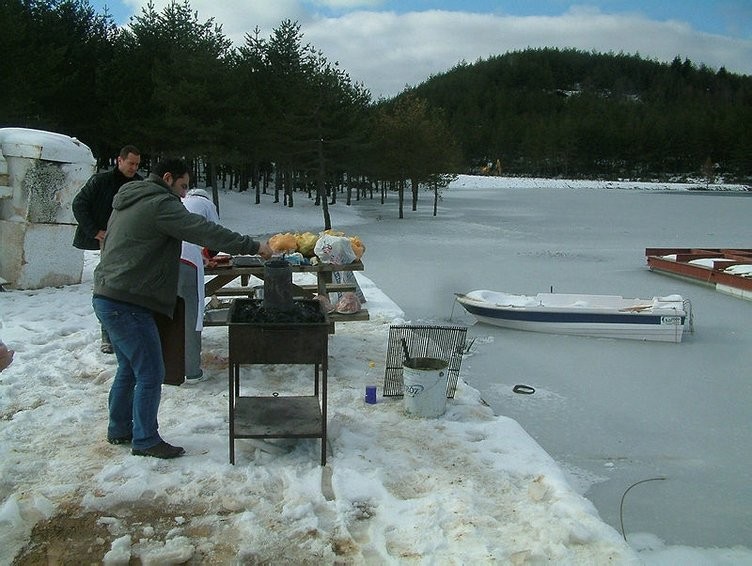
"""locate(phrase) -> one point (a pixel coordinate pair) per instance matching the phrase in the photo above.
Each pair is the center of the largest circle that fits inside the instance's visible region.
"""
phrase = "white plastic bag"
(348, 303)
(334, 249)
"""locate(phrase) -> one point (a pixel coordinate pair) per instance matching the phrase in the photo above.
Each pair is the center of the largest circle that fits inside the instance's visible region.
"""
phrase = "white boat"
(606, 316)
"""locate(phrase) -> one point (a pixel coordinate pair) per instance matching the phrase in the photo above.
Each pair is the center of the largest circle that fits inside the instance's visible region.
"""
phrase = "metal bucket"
(425, 385)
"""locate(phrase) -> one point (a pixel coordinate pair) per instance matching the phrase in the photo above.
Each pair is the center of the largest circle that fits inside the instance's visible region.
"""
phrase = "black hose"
(621, 505)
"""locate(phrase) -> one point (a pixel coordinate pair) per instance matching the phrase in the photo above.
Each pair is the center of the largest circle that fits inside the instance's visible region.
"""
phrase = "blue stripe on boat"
(569, 317)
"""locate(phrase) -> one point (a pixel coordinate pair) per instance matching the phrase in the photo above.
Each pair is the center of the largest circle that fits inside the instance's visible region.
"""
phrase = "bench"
(218, 317)
(235, 292)
(330, 287)
(334, 317)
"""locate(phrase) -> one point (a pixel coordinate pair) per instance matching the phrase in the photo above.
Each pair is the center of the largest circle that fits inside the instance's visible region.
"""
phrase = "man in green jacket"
(137, 276)
(92, 207)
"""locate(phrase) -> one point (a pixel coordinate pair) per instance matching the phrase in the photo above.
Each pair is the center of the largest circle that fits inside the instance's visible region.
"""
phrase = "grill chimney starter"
(278, 286)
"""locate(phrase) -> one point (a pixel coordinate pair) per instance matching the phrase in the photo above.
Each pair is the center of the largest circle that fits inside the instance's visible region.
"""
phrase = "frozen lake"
(611, 412)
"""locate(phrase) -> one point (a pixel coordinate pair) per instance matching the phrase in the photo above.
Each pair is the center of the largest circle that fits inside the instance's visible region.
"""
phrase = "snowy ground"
(471, 487)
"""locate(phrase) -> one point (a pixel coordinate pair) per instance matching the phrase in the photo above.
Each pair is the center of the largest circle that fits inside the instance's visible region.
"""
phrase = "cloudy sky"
(388, 45)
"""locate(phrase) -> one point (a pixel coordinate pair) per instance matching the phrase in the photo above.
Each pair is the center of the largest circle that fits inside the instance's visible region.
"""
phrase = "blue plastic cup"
(371, 394)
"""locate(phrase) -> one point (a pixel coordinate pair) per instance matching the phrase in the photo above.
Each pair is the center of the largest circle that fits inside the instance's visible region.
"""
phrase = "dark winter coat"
(140, 257)
(92, 206)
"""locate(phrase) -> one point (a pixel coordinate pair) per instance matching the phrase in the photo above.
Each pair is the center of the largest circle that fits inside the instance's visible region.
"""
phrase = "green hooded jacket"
(140, 257)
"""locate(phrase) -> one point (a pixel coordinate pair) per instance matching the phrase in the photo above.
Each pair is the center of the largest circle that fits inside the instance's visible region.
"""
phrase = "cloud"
(387, 51)
(348, 4)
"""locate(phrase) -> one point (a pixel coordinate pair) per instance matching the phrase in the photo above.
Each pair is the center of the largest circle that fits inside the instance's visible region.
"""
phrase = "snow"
(502, 299)
(744, 270)
(571, 301)
(471, 487)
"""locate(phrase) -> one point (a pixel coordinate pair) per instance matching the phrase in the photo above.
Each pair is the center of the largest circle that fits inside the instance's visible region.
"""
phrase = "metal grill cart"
(282, 342)
(423, 341)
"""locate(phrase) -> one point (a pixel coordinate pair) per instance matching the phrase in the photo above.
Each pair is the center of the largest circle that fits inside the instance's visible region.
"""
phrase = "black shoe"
(161, 450)
(120, 440)
(106, 348)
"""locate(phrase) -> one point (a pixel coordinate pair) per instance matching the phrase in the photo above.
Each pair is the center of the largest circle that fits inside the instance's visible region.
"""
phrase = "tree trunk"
(288, 189)
(243, 179)
(401, 191)
(211, 181)
(321, 188)
(278, 184)
(414, 184)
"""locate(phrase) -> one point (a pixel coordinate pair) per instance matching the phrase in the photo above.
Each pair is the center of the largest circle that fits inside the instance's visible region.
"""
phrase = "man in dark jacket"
(92, 207)
(93, 204)
(137, 276)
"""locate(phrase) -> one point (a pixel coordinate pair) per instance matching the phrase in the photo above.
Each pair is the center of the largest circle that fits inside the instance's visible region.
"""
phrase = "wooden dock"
(725, 269)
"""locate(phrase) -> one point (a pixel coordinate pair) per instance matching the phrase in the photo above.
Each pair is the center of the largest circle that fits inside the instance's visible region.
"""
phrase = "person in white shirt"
(191, 285)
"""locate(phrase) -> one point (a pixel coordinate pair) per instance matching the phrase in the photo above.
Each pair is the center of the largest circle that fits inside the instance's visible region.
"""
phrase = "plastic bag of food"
(358, 246)
(283, 243)
(306, 242)
(326, 304)
(295, 258)
(348, 303)
(334, 249)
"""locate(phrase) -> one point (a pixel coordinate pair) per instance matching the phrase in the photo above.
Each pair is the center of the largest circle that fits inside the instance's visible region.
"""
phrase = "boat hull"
(664, 326)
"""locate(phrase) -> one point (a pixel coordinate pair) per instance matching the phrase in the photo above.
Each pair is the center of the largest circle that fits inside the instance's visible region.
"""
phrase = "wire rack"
(423, 341)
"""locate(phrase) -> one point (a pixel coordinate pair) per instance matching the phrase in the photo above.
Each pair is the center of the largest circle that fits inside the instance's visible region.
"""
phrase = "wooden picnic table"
(223, 275)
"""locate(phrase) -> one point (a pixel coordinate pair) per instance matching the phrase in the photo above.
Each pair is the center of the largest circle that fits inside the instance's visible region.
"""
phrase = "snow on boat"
(728, 270)
(606, 316)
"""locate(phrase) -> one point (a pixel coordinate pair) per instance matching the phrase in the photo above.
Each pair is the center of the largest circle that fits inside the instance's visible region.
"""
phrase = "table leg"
(324, 370)
(322, 278)
(231, 378)
(216, 283)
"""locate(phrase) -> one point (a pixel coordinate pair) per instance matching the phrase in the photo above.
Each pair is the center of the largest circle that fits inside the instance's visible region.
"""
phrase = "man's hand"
(100, 235)
(265, 251)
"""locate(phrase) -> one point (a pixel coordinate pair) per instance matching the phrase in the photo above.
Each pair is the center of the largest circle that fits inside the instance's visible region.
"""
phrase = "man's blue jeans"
(137, 387)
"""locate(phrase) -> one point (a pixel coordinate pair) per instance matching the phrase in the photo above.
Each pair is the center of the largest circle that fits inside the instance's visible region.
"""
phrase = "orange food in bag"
(283, 243)
(358, 246)
(306, 242)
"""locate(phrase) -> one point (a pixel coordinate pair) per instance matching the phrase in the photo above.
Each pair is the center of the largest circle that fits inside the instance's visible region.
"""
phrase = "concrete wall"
(40, 174)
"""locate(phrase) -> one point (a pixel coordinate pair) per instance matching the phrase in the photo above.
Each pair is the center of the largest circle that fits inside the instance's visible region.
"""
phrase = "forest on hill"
(551, 112)
(272, 110)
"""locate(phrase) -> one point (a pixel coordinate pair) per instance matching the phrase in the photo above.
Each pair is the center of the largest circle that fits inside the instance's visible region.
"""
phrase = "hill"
(551, 112)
